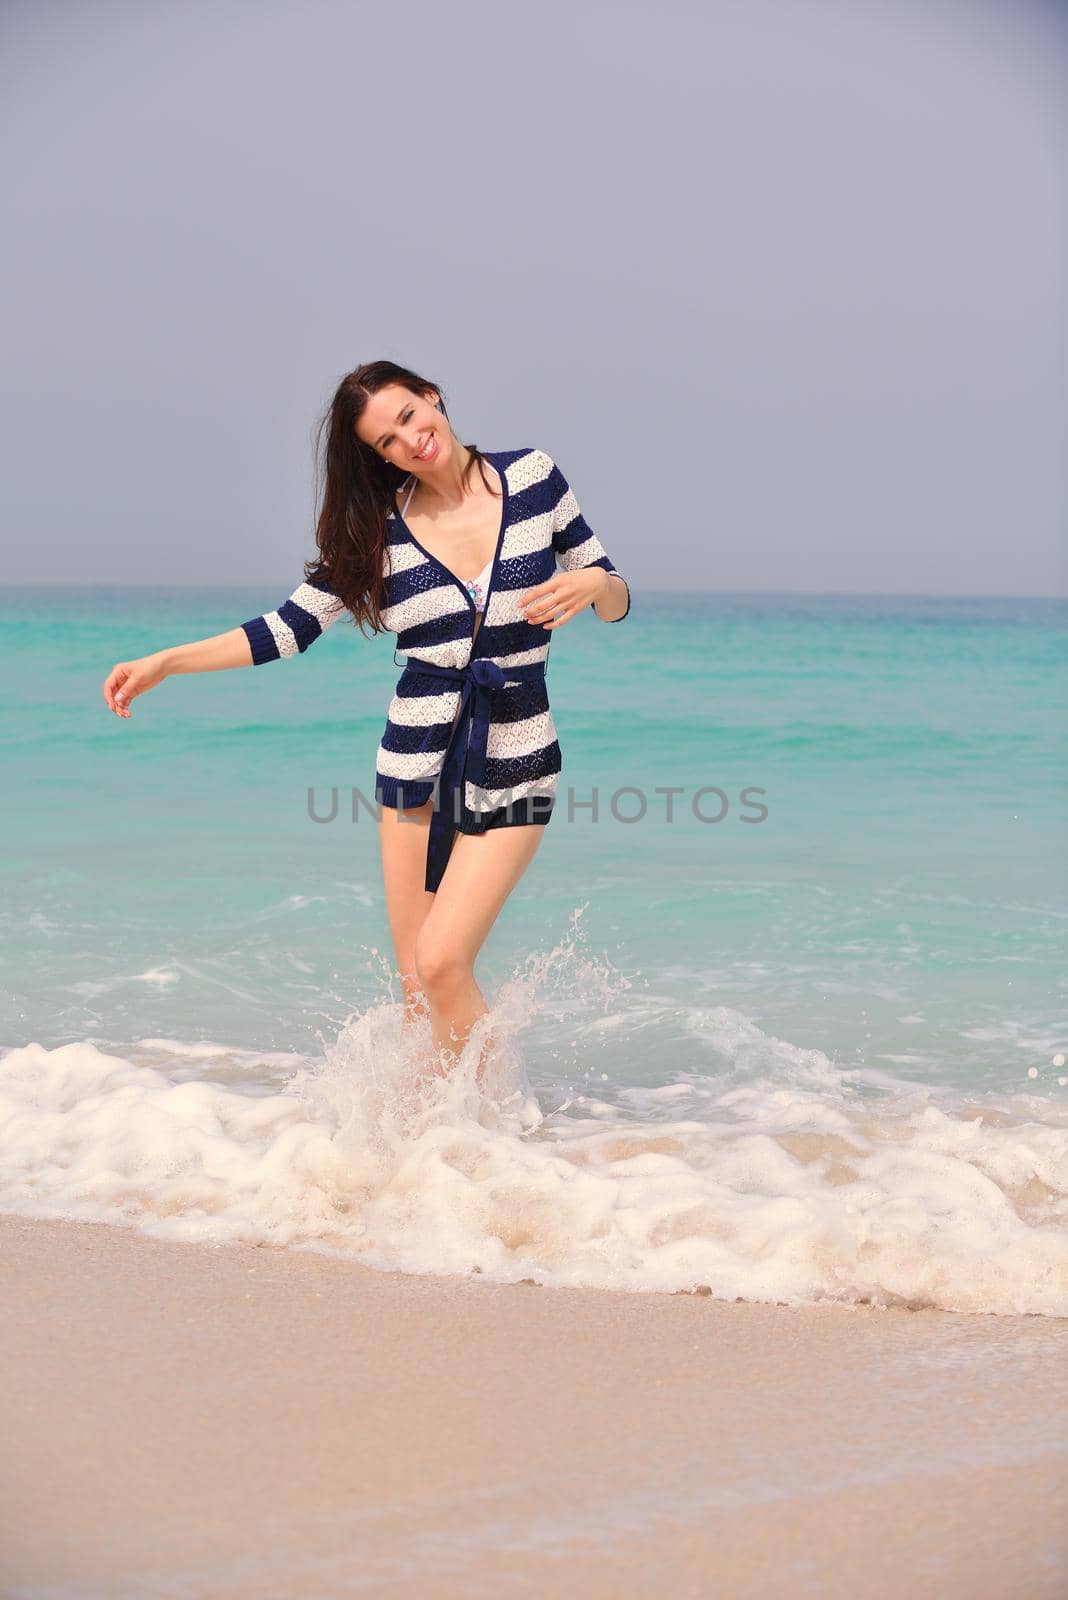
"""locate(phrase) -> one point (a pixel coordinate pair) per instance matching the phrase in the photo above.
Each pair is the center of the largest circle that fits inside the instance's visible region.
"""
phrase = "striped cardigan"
(433, 616)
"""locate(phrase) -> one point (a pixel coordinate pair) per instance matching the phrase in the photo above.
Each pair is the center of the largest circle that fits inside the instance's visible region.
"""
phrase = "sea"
(776, 1013)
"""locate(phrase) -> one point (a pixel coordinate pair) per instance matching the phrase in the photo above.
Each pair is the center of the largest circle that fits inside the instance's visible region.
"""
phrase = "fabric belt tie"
(465, 754)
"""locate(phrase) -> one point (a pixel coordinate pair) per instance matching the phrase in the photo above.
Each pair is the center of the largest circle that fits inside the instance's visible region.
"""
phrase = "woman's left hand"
(563, 596)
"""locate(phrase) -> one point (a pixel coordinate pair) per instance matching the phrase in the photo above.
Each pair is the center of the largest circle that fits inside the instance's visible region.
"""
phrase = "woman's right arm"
(128, 679)
(296, 624)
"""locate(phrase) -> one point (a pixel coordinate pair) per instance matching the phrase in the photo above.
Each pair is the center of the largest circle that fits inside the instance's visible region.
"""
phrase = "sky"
(779, 284)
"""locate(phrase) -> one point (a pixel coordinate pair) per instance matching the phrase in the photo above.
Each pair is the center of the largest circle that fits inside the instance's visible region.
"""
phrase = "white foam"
(778, 1176)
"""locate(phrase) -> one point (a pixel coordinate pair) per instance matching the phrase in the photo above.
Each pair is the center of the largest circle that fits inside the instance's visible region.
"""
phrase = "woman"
(469, 763)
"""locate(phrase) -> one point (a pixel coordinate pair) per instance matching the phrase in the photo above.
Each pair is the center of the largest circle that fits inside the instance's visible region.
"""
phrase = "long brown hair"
(359, 489)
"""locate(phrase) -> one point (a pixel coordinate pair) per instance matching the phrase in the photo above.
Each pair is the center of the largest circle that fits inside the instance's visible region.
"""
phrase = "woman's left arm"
(586, 576)
(613, 605)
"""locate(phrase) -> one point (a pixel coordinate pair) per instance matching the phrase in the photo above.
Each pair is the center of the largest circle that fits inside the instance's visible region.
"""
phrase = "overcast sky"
(779, 283)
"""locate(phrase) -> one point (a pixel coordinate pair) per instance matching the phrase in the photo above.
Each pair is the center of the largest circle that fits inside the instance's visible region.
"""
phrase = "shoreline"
(203, 1419)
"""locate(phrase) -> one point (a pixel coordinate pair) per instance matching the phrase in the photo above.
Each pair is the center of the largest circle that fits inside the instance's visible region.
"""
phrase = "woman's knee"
(437, 964)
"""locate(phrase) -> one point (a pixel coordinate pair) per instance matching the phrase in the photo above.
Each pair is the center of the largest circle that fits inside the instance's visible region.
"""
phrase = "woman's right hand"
(128, 679)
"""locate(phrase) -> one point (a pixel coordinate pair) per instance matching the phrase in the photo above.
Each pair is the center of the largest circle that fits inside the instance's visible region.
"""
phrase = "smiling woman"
(469, 752)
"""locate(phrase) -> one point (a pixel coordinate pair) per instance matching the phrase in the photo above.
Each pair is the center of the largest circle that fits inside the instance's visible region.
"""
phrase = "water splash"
(754, 1169)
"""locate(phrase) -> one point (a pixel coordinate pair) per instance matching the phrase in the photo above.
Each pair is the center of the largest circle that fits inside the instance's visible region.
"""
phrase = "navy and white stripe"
(433, 616)
(307, 614)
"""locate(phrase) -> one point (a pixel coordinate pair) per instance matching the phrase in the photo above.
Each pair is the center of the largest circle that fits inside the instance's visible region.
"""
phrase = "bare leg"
(407, 902)
(483, 870)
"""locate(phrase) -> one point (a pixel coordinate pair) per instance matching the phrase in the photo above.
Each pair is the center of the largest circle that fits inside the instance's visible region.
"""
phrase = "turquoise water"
(903, 897)
(898, 914)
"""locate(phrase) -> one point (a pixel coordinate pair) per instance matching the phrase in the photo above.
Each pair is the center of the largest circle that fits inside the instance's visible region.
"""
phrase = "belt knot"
(487, 674)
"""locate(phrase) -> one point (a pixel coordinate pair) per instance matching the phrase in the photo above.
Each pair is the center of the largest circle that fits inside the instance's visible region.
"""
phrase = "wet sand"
(191, 1420)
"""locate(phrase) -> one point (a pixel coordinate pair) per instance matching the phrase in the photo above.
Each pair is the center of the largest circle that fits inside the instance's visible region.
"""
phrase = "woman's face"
(398, 425)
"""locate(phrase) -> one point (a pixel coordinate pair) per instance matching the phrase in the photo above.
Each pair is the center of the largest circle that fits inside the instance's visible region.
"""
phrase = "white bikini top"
(476, 587)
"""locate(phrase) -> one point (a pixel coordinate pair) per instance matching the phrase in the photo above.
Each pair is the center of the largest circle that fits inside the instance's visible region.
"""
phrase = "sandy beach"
(238, 1421)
